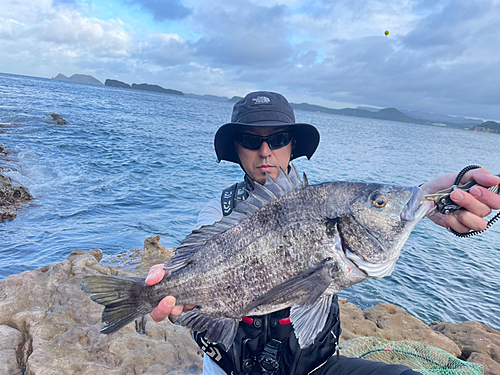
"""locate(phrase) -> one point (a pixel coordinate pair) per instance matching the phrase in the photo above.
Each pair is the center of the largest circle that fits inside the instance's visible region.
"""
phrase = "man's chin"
(259, 177)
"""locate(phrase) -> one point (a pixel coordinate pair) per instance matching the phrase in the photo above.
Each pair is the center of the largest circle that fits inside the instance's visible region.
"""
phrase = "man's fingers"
(163, 309)
(189, 307)
(470, 203)
(482, 177)
(177, 310)
(155, 275)
(452, 221)
(489, 198)
(467, 221)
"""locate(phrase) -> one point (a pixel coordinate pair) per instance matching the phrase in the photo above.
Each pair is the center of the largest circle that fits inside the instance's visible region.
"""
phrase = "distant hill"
(115, 83)
(155, 88)
(79, 78)
(438, 118)
(235, 99)
(213, 98)
(487, 127)
(142, 87)
(391, 114)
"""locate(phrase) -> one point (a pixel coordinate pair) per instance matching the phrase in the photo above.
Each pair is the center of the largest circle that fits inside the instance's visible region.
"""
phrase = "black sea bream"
(289, 244)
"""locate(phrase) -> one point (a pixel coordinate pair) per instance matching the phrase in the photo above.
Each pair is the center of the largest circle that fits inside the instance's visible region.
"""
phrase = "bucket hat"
(263, 108)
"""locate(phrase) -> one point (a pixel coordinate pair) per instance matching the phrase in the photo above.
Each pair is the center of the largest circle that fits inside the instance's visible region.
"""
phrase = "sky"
(440, 56)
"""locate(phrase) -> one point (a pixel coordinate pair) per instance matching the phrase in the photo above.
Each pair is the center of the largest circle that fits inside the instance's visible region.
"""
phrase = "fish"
(289, 244)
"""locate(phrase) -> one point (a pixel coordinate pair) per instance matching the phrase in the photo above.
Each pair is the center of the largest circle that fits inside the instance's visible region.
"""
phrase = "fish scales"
(287, 245)
(282, 240)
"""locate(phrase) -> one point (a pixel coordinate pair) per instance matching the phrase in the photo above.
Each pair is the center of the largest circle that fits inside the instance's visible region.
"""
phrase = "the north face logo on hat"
(261, 100)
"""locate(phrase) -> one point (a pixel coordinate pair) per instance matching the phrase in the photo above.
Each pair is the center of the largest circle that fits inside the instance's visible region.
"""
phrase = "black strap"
(268, 360)
(229, 195)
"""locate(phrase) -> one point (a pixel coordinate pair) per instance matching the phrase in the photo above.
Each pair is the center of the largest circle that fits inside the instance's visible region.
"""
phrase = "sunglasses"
(253, 142)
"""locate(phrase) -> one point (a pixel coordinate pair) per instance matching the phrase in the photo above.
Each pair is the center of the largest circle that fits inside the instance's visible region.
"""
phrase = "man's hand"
(477, 204)
(167, 305)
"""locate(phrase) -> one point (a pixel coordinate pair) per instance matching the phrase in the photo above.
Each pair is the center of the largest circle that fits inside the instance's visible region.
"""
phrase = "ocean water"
(130, 164)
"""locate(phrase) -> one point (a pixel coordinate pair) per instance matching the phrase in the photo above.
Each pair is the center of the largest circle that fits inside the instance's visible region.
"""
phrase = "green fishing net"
(419, 357)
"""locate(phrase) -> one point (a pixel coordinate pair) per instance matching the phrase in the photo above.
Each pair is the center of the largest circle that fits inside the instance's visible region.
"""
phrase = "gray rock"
(478, 343)
(390, 322)
(58, 119)
(12, 196)
(11, 341)
(49, 326)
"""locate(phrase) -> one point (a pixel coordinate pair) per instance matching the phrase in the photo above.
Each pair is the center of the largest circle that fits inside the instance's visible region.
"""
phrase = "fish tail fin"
(123, 299)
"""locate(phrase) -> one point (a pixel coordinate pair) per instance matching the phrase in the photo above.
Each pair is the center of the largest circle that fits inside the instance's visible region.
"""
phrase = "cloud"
(74, 3)
(163, 10)
(164, 50)
(440, 56)
(70, 29)
(243, 35)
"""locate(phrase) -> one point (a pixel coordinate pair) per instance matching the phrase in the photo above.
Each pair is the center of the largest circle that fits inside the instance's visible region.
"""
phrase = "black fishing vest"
(266, 344)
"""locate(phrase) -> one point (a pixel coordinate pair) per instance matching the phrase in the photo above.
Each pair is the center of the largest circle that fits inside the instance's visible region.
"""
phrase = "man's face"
(257, 162)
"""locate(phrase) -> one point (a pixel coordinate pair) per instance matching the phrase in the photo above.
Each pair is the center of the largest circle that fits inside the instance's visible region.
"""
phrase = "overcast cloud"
(440, 56)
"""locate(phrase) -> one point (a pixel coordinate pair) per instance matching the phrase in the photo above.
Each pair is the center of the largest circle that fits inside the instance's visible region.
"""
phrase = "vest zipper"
(236, 360)
(266, 332)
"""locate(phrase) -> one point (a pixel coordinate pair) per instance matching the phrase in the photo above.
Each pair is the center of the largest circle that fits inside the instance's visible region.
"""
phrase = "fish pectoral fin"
(309, 319)
(304, 288)
(219, 330)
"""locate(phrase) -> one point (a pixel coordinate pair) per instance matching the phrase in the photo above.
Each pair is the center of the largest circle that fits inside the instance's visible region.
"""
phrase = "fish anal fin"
(309, 319)
(219, 330)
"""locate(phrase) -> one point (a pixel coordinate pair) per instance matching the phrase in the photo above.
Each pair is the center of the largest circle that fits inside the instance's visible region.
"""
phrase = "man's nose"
(264, 150)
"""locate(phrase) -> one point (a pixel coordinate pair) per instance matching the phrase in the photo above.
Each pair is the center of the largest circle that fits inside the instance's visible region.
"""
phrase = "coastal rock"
(12, 196)
(478, 343)
(4, 150)
(58, 119)
(49, 326)
(155, 252)
(390, 322)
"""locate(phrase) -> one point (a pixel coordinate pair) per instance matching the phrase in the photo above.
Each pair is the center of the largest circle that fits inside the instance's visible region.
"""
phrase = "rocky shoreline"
(12, 194)
(48, 325)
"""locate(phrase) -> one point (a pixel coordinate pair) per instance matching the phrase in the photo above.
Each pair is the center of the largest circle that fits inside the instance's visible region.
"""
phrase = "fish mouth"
(416, 208)
(377, 270)
(351, 264)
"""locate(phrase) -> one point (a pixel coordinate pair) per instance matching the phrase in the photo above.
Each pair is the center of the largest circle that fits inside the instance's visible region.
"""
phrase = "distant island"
(487, 127)
(142, 86)
(79, 78)
(390, 114)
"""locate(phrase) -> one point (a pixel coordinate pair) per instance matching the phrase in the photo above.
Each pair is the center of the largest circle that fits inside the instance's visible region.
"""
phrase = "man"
(262, 138)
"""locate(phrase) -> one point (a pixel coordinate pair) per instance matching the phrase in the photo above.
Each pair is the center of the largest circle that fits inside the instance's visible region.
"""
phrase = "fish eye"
(378, 200)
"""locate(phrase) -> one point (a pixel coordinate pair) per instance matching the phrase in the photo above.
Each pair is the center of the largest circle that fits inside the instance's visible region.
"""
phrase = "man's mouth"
(265, 168)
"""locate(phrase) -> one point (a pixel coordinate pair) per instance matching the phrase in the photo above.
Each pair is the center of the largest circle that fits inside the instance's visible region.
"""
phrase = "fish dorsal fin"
(257, 198)
(275, 188)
